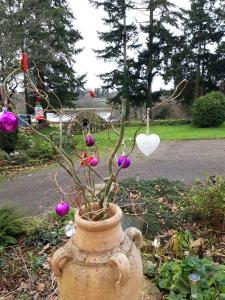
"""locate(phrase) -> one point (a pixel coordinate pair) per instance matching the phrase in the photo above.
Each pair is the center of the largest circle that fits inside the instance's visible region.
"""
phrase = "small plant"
(66, 218)
(8, 141)
(40, 232)
(19, 157)
(24, 142)
(41, 150)
(160, 197)
(41, 236)
(11, 224)
(206, 201)
(209, 110)
(37, 262)
(179, 242)
(3, 156)
(173, 277)
(67, 142)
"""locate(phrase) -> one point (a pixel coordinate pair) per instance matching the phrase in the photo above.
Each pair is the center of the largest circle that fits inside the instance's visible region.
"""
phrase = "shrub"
(11, 224)
(162, 113)
(4, 155)
(173, 277)
(172, 122)
(41, 150)
(207, 202)
(19, 158)
(161, 122)
(8, 141)
(39, 231)
(209, 110)
(24, 142)
(67, 142)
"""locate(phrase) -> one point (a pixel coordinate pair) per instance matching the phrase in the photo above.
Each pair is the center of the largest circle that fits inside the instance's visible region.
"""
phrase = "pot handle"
(60, 257)
(135, 235)
(120, 262)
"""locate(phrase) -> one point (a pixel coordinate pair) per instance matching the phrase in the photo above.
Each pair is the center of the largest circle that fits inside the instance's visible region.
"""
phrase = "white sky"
(88, 22)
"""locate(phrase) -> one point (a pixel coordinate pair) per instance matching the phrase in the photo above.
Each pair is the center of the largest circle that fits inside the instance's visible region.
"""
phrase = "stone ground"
(175, 160)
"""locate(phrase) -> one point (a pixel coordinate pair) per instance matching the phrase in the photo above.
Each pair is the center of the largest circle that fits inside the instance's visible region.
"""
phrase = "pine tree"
(121, 40)
(199, 48)
(155, 58)
(44, 30)
(7, 39)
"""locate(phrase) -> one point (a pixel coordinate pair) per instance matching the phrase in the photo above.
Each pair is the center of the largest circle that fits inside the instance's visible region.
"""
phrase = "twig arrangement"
(84, 176)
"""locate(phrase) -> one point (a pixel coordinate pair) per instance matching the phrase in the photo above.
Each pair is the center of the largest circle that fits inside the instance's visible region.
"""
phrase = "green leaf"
(173, 296)
(181, 286)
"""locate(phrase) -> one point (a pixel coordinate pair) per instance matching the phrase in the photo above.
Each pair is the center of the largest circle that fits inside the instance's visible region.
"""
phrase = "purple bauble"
(89, 140)
(62, 208)
(94, 162)
(8, 121)
(123, 161)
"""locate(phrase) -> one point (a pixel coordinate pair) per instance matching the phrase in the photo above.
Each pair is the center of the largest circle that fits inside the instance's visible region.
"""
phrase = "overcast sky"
(88, 21)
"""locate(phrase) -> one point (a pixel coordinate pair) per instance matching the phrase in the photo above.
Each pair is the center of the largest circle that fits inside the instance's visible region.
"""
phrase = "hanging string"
(148, 121)
(62, 196)
(124, 147)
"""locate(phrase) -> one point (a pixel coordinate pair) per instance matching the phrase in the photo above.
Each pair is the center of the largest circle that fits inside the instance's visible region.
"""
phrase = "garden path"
(175, 160)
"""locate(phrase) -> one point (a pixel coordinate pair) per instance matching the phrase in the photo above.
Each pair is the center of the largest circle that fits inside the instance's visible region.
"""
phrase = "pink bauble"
(8, 121)
(94, 162)
(62, 208)
(89, 140)
(124, 161)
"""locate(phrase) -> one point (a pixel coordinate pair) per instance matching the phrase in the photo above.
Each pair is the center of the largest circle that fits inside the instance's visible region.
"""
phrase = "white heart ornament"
(147, 144)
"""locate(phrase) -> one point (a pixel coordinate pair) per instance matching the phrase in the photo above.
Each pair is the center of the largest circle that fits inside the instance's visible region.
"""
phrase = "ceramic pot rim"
(103, 225)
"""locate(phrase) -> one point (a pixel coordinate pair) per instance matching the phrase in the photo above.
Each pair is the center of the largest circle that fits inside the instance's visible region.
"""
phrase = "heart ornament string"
(147, 143)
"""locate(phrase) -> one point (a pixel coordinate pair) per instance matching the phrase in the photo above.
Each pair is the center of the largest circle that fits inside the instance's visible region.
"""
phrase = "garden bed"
(173, 240)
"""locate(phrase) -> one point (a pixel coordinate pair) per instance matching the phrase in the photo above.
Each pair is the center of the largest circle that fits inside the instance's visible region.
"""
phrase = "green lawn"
(169, 132)
(166, 132)
(185, 132)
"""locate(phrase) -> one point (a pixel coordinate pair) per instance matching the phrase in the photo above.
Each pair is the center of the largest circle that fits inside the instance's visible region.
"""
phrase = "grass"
(46, 131)
(166, 132)
(169, 132)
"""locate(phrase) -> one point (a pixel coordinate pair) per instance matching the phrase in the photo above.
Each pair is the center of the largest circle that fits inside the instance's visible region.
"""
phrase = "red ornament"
(24, 62)
(86, 161)
(39, 112)
(92, 94)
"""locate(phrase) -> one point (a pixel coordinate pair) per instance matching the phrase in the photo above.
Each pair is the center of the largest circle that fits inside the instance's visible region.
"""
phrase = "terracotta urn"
(101, 261)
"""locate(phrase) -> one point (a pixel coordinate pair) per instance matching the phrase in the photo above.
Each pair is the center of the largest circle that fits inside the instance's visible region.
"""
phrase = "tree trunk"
(135, 112)
(125, 86)
(2, 75)
(150, 61)
(203, 73)
(197, 82)
(198, 85)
